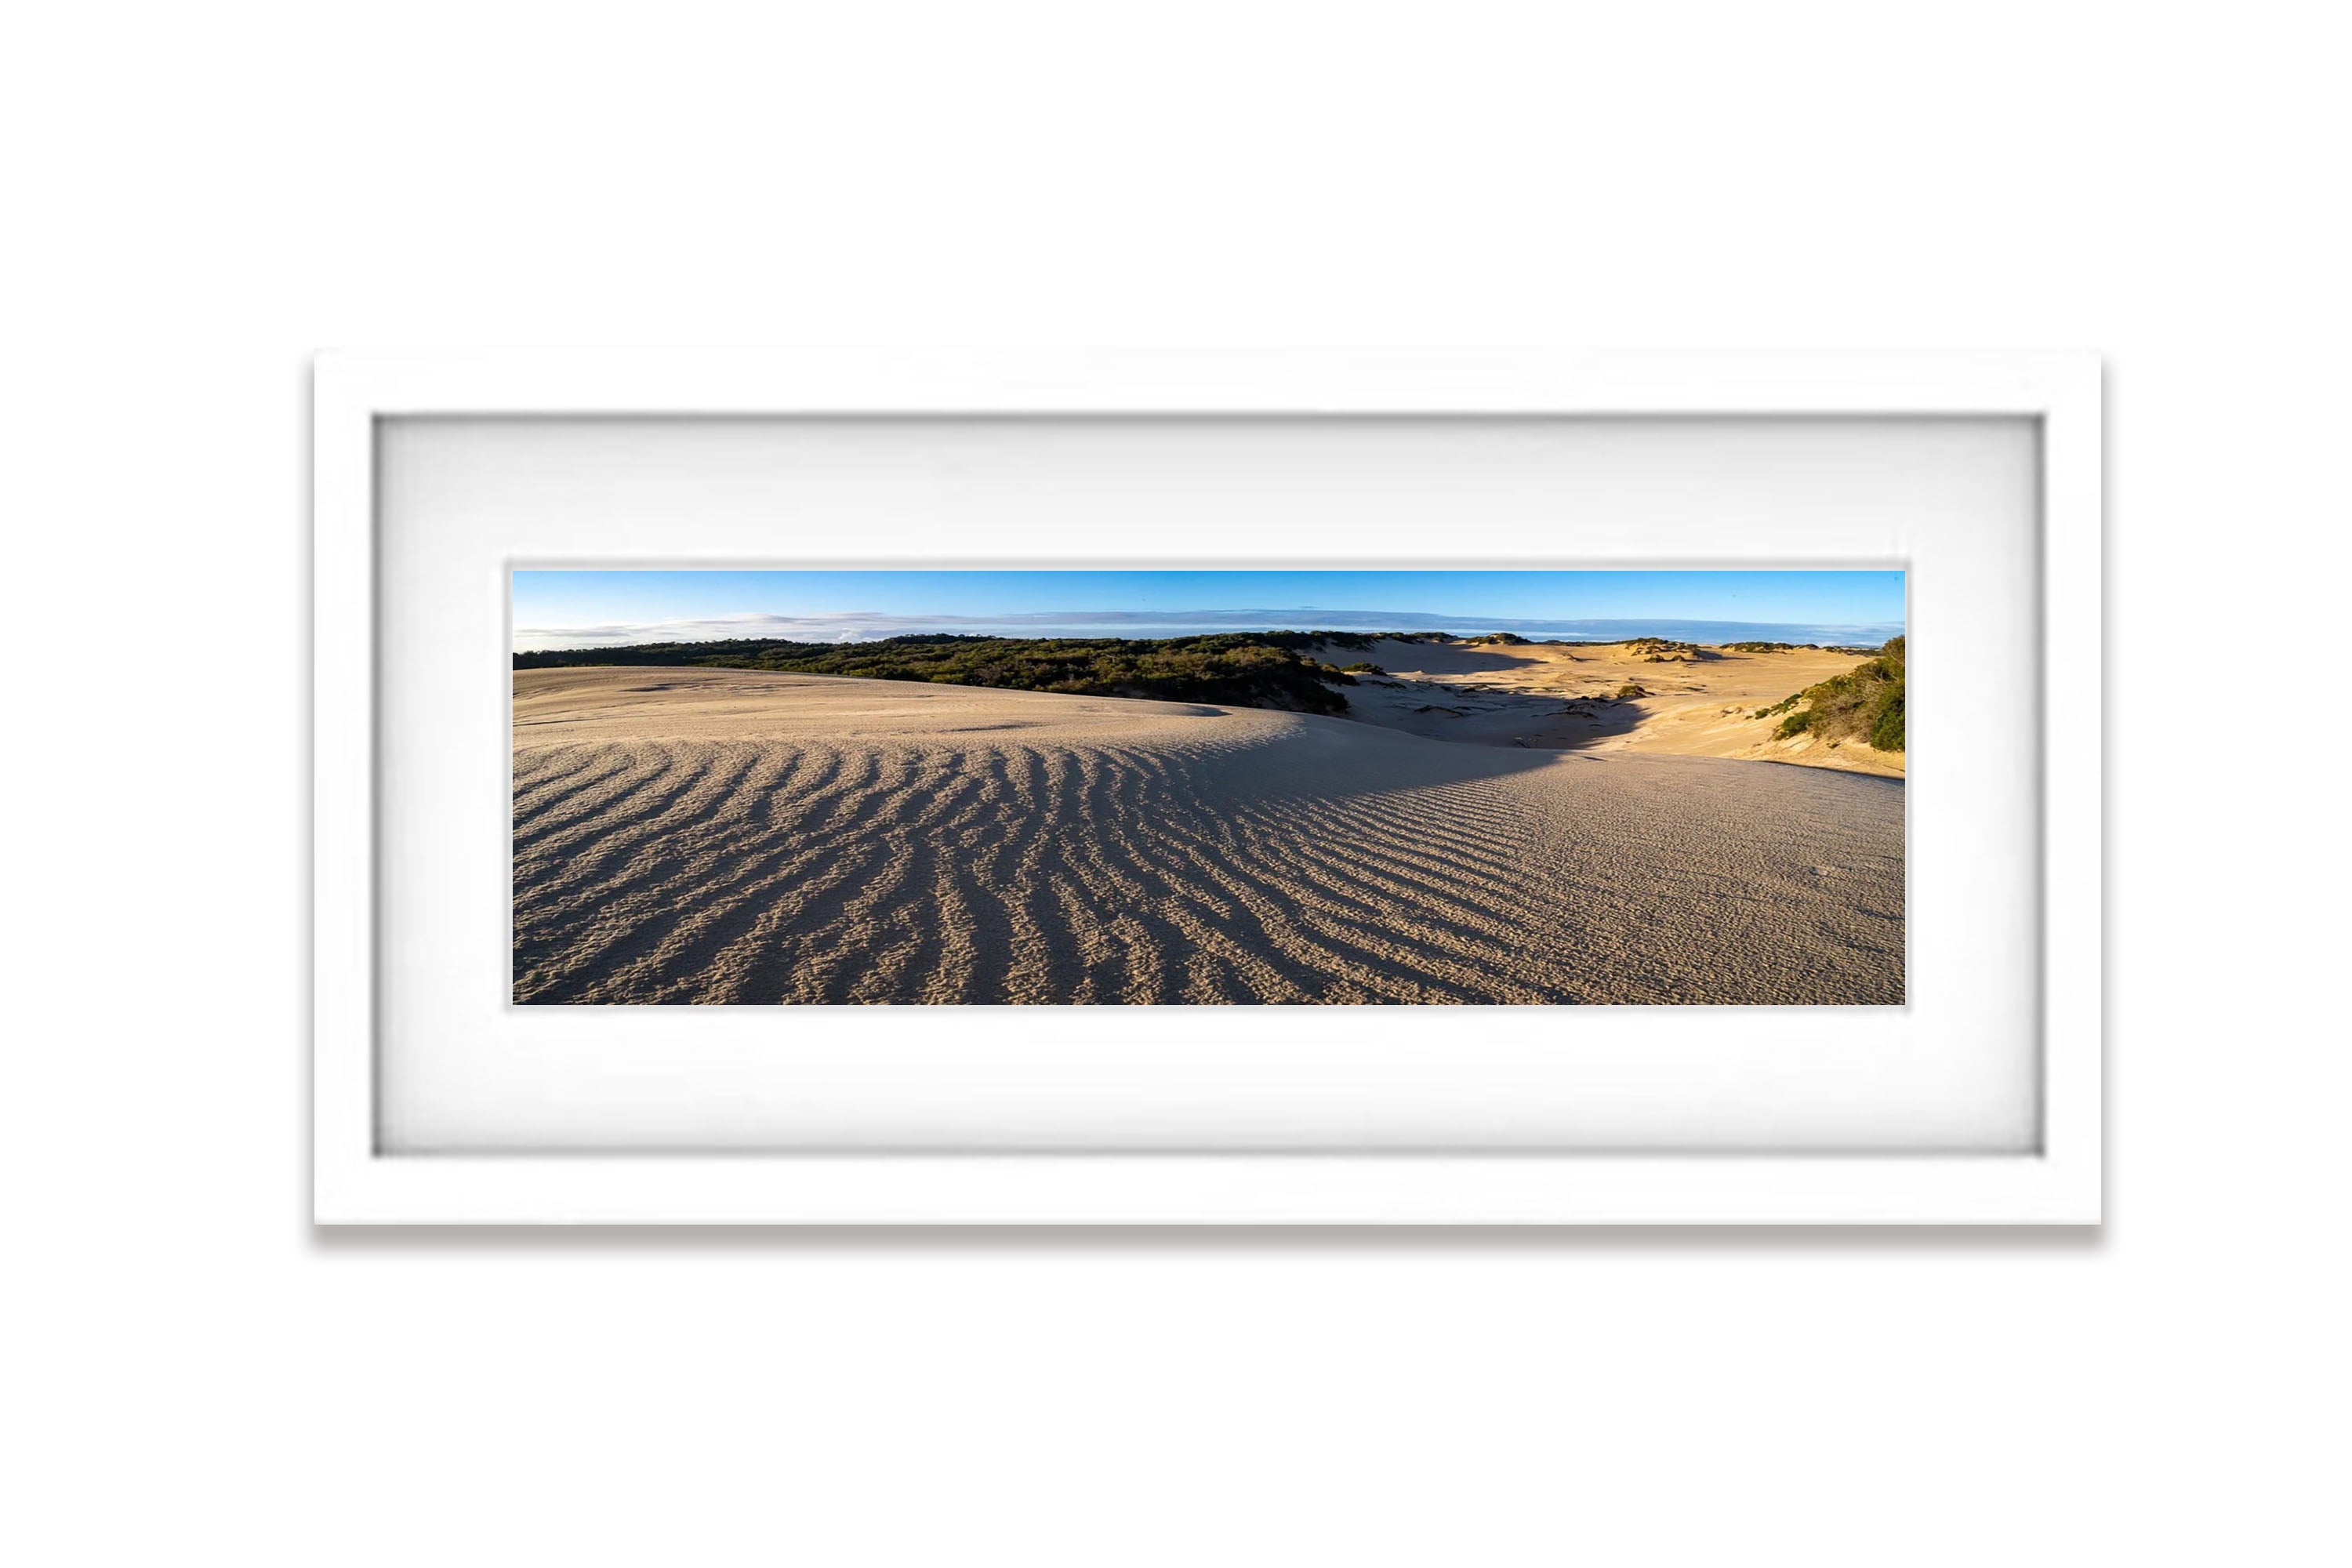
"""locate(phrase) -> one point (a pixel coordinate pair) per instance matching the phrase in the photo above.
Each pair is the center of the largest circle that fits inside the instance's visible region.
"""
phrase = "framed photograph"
(1220, 789)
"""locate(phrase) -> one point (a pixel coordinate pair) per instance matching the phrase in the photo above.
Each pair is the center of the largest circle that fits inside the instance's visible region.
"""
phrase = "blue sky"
(594, 609)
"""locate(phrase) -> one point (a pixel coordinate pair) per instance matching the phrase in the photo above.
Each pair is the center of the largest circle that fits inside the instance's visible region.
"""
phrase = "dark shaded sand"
(727, 835)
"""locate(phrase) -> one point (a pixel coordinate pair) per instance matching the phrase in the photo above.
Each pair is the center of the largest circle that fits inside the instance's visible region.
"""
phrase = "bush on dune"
(1864, 704)
(1665, 650)
(1235, 669)
(1886, 734)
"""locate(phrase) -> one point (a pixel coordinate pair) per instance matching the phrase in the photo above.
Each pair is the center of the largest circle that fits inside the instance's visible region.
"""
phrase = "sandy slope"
(721, 835)
(1551, 696)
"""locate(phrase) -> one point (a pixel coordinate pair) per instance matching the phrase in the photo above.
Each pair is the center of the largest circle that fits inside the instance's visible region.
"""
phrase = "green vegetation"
(1665, 650)
(1627, 692)
(1886, 734)
(1246, 669)
(1507, 640)
(1864, 704)
(1774, 648)
(1361, 667)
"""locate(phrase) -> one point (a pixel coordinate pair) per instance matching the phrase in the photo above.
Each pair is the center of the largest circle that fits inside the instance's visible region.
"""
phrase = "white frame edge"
(352, 1184)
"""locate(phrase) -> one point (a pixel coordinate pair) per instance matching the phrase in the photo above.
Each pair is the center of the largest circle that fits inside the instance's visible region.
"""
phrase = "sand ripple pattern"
(753, 839)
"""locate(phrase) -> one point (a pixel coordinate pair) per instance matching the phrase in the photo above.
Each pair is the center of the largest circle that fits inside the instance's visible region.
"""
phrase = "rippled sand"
(726, 836)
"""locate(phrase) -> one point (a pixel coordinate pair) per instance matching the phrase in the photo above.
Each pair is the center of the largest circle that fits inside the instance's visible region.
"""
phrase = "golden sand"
(1551, 696)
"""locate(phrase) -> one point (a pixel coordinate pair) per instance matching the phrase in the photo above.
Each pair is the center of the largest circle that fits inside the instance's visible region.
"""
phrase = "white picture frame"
(358, 1180)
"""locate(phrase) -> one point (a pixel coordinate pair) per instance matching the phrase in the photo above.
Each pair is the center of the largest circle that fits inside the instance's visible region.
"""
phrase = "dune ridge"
(691, 835)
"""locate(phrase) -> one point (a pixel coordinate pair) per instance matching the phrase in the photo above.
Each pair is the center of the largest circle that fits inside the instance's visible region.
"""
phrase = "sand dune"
(698, 835)
(1555, 696)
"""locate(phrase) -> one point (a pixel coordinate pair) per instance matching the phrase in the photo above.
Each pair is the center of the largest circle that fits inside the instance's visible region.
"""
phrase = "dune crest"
(701, 835)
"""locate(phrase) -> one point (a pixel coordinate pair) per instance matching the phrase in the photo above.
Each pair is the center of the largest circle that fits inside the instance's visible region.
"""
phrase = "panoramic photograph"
(1548, 787)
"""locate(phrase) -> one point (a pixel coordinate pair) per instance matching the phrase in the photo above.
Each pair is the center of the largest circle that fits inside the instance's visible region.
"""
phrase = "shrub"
(1886, 734)
(1239, 669)
(1865, 703)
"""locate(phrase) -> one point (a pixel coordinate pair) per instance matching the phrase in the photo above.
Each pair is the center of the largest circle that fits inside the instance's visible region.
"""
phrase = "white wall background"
(200, 195)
